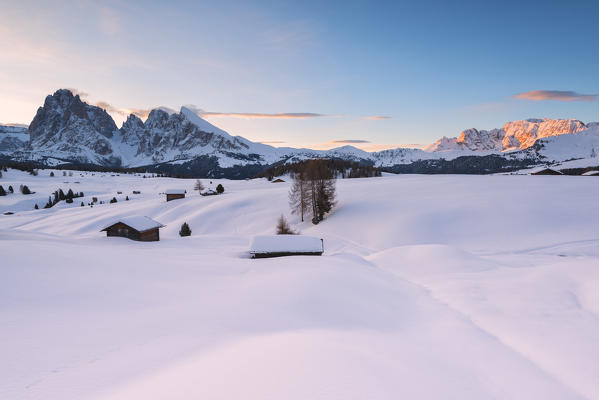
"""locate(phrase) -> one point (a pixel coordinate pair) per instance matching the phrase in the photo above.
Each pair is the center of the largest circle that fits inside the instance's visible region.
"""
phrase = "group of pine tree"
(312, 192)
(59, 195)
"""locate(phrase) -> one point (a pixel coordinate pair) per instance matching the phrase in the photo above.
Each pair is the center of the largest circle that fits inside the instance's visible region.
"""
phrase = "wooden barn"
(546, 171)
(286, 245)
(139, 228)
(174, 194)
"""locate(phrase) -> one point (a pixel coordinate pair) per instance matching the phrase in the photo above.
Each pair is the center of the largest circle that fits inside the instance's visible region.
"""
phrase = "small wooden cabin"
(547, 171)
(174, 194)
(286, 245)
(139, 228)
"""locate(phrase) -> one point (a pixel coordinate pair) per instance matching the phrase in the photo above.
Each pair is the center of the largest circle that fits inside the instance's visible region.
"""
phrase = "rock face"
(163, 137)
(67, 125)
(515, 135)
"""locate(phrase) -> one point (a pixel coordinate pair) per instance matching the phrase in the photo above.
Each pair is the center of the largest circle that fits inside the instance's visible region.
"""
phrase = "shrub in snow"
(82, 204)
(184, 231)
(283, 227)
(33, 172)
(220, 189)
(94, 199)
(2, 192)
(113, 200)
(36, 207)
(198, 186)
(10, 189)
(24, 189)
(51, 173)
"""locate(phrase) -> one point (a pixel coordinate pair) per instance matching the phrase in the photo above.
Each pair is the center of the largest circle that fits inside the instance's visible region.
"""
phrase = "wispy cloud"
(351, 141)
(272, 142)
(378, 117)
(559, 95)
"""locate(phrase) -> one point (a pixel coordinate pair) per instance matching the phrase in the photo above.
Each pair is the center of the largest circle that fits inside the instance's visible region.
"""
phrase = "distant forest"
(338, 167)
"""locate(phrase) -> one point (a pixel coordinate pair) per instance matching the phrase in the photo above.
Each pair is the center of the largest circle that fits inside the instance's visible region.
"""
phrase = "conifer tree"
(10, 189)
(2, 192)
(185, 230)
(220, 189)
(36, 207)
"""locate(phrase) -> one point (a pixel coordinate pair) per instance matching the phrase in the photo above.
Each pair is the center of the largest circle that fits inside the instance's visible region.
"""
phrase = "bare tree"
(322, 188)
(313, 190)
(198, 186)
(283, 227)
(299, 196)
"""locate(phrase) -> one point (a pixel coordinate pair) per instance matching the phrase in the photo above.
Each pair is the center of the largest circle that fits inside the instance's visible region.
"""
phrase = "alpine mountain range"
(68, 131)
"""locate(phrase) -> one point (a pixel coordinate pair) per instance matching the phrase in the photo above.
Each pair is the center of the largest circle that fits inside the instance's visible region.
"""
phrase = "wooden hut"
(174, 194)
(286, 245)
(547, 171)
(139, 228)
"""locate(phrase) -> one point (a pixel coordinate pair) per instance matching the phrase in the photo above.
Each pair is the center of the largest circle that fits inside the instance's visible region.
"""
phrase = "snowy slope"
(430, 287)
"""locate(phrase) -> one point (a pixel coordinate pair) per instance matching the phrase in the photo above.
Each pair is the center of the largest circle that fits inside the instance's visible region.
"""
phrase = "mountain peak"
(201, 123)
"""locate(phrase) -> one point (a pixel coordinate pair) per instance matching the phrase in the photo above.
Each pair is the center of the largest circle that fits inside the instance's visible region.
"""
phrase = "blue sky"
(430, 68)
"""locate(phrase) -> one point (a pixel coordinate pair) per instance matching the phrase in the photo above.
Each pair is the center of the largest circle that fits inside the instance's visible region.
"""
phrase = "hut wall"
(122, 230)
(170, 197)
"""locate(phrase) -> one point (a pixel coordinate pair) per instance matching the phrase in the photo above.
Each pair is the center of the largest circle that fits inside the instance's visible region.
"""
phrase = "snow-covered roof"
(286, 244)
(175, 191)
(590, 173)
(138, 222)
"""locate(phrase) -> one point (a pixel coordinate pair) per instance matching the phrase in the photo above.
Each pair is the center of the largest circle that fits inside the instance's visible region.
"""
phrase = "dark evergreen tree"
(82, 204)
(2, 192)
(61, 195)
(184, 231)
(127, 198)
(36, 207)
(25, 189)
(51, 173)
(220, 189)
(113, 200)
(10, 189)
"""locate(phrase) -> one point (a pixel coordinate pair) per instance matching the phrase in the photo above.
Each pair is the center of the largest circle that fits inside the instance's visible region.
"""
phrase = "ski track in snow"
(430, 287)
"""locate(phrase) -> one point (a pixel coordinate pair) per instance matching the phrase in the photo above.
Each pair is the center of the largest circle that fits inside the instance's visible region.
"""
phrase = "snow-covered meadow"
(464, 287)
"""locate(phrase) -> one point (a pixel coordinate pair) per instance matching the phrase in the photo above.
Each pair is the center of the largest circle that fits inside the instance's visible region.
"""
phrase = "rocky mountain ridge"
(68, 130)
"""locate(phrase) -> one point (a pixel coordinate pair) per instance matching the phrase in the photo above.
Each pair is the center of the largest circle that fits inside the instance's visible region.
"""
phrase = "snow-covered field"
(430, 287)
